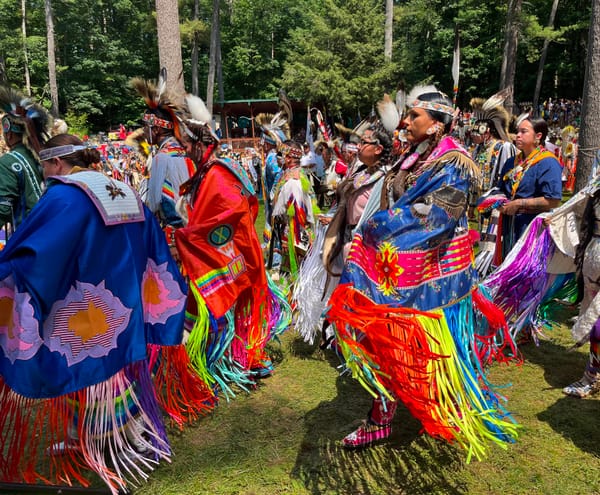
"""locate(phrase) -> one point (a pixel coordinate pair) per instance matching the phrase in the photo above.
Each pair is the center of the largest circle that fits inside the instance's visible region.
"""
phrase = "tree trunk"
(169, 44)
(589, 134)
(220, 85)
(25, 52)
(2, 70)
(389, 22)
(212, 63)
(195, 44)
(540, 73)
(51, 58)
(511, 43)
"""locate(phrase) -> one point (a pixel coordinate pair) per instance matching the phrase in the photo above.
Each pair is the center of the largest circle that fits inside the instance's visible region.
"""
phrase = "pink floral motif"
(161, 295)
(86, 323)
(19, 329)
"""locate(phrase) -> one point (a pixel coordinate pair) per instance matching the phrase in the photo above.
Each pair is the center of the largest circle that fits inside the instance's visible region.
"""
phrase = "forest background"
(325, 52)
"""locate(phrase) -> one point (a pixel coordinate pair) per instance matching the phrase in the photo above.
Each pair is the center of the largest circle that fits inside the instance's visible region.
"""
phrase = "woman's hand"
(511, 207)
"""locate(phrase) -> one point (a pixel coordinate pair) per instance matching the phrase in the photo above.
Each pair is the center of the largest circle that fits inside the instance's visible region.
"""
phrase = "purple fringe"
(519, 287)
(140, 372)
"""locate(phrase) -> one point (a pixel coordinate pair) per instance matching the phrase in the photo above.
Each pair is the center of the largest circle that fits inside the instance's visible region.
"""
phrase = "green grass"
(283, 438)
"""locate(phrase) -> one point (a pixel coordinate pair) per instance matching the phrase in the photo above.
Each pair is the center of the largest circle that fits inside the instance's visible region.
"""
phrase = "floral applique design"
(19, 329)
(161, 295)
(86, 323)
(387, 268)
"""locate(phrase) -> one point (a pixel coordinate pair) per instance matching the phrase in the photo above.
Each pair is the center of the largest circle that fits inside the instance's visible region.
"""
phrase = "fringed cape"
(234, 310)
(541, 268)
(90, 328)
(409, 318)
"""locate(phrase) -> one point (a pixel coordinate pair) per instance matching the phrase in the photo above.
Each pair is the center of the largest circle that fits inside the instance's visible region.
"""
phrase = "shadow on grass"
(576, 420)
(561, 366)
(407, 463)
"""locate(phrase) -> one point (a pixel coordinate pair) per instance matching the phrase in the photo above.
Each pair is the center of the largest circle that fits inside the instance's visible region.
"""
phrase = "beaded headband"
(292, 152)
(153, 120)
(58, 151)
(434, 107)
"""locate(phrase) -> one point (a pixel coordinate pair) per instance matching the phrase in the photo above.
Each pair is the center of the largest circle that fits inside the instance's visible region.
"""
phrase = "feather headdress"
(198, 122)
(275, 128)
(492, 110)
(164, 111)
(419, 90)
(285, 106)
(25, 117)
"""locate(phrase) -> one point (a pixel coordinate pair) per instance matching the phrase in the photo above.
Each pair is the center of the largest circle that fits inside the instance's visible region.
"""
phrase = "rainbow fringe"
(431, 361)
(101, 424)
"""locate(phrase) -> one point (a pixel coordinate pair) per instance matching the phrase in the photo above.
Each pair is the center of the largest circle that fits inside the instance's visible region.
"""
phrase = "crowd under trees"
(327, 52)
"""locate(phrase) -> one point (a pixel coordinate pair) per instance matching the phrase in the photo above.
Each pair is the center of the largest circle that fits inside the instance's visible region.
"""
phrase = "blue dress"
(543, 179)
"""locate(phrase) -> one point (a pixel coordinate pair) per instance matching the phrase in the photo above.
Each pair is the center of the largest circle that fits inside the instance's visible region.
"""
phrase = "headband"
(292, 152)
(434, 107)
(350, 147)
(153, 120)
(58, 151)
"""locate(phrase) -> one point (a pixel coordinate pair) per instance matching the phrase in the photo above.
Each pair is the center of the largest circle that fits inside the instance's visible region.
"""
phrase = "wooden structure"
(238, 128)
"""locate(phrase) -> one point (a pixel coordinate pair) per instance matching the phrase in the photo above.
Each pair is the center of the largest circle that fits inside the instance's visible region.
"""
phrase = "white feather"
(400, 100)
(521, 118)
(278, 120)
(198, 109)
(162, 83)
(388, 113)
(496, 100)
(418, 91)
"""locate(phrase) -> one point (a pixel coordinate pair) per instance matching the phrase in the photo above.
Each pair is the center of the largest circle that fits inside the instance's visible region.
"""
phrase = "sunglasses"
(366, 143)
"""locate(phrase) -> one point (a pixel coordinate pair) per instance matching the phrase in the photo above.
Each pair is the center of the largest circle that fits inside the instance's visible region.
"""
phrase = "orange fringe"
(180, 390)
(392, 343)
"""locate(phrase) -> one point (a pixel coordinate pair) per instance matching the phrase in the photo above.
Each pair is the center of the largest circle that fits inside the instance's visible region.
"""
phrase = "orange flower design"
(387, 268)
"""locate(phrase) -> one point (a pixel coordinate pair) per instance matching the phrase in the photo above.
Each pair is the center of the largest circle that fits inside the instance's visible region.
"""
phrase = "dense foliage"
(328, 52)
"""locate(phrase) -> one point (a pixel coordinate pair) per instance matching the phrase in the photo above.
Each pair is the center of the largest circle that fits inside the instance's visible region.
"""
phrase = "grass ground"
(283, 438)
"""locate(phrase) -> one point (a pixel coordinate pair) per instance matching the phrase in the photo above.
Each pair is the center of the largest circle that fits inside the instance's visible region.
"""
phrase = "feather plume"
(491, 109)
(420, 90)
(197, 109)
(496, 100)
(162, 82)
(275, 126)
(34, 118)
(521, 118)
(401, 101)
(157, 96)
(347, 134)
(456, 59)
(362, 127)
(388, 113)
(285, 106)
(147, 90)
